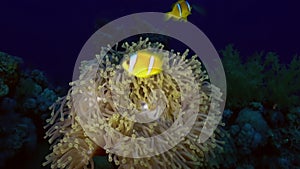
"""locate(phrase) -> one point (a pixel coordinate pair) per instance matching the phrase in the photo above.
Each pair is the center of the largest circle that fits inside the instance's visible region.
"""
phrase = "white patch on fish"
(179, 9)
(133, 59)
(150, 65)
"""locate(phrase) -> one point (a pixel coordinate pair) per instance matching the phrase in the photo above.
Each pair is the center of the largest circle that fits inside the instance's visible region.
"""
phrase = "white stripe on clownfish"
(179, 9)
(150, 65)
(132, 62)
(188, 6)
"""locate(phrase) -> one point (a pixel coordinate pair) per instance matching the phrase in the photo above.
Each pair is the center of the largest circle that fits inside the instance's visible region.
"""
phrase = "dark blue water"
(49, 34)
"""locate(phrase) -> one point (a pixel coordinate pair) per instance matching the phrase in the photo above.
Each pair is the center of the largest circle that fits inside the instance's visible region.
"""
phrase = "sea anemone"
(105, 108)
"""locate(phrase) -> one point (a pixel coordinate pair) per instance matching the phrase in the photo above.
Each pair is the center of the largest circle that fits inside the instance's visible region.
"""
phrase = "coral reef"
(16, 132)
(256, 144)
(263, 95)
(102, 105)
(261, 119)
(242, 85)
(286, 140)
(3, 88)
(25, 96)
(261, 78)
(33, 95)
(250, 131)
(39, 77)
(9, 69)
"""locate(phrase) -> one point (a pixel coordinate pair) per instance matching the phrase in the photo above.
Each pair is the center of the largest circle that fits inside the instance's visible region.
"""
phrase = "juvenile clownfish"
(180, 11)
(143, 64)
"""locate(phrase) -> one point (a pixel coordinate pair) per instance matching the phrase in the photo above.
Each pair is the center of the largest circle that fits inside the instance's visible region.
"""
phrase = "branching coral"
(281, 81)
(16, 133)
(24, 102)
(243, 81)
(104, 108)
(261, 78)
(3, 88)
(9, 66)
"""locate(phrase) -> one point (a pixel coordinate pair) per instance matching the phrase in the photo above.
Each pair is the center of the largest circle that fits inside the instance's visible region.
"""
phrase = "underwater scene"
(190, 84)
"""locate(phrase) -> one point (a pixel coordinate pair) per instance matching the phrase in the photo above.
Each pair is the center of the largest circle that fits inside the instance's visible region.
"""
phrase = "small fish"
(143, 64)
(180, 11)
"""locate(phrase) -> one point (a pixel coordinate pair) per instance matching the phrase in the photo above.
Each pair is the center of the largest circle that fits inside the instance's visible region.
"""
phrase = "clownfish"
(143, 64)
(180, 11)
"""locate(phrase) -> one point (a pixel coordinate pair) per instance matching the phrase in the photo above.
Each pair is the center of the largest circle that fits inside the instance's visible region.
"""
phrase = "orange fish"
(181, 10)
(143, 64)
